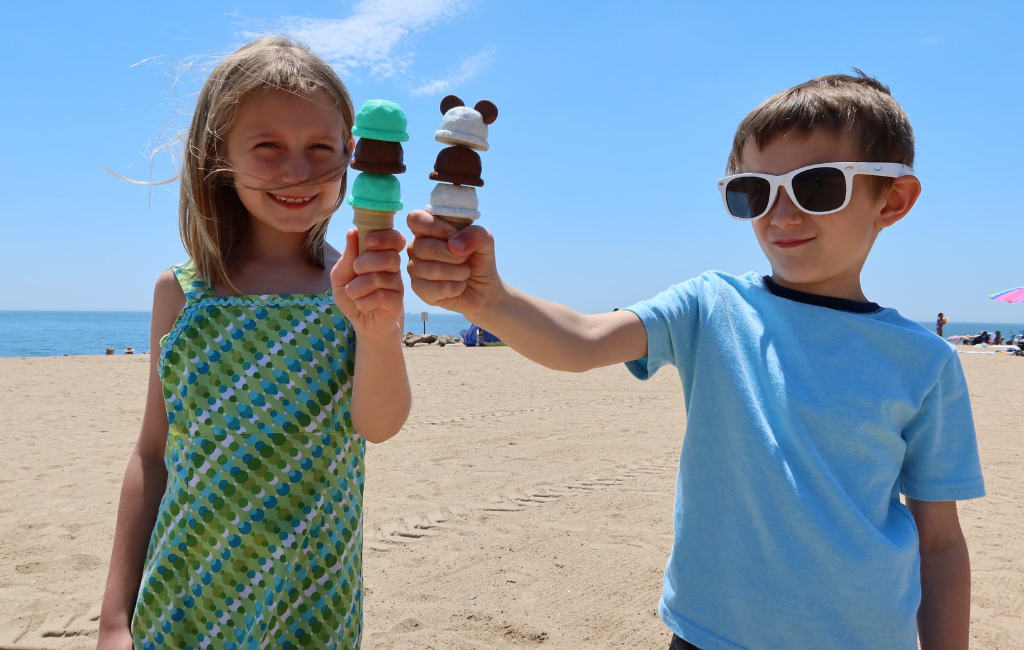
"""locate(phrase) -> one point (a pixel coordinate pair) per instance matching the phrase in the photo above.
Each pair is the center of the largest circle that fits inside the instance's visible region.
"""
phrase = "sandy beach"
(519, 507)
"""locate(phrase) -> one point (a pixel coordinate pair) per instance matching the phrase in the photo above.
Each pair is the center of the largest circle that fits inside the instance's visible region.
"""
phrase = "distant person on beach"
(940, 322)
(809, 409)
(240, 520)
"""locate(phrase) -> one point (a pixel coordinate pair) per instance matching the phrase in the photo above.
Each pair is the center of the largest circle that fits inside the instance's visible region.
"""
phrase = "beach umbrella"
(1010, 295)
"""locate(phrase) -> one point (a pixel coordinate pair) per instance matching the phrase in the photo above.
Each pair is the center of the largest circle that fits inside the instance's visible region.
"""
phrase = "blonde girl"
(275, 357)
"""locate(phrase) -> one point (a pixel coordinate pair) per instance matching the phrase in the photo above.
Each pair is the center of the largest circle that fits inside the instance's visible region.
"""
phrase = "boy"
(809, 408)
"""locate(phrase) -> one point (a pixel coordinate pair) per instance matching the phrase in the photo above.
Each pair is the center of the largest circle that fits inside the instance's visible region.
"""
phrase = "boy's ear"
(901, 199)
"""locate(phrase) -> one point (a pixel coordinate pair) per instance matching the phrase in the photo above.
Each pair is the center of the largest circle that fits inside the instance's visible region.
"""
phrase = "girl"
(240, 522)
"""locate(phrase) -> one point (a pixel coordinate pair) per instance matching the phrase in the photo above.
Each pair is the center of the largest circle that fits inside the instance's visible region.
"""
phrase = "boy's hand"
(457, 273)
(368, 288)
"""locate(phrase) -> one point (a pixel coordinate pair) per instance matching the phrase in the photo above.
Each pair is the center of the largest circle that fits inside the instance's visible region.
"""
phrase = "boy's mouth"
(791, 243)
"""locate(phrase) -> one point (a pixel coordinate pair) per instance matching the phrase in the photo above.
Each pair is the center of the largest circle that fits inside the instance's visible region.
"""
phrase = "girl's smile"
(287, 154)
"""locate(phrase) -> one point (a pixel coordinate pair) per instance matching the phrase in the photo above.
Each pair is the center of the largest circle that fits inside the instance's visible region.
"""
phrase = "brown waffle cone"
(458, 222)
(369, 220)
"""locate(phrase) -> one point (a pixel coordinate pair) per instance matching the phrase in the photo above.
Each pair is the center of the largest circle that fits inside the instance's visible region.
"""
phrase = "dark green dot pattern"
(258, 540)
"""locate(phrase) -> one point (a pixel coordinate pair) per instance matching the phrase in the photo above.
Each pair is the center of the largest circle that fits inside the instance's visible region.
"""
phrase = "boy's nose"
(785, 212)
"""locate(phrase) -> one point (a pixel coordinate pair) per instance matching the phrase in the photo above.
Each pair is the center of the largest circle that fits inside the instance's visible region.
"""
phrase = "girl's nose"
(296, 169)
(785, 212)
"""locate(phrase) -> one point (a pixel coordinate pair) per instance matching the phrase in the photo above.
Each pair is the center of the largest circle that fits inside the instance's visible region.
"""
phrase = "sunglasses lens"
(747, 197)
(821, 189)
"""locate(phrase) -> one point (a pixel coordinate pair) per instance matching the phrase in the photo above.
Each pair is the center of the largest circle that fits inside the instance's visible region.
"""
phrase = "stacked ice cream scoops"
(376, 192)
(458, 166)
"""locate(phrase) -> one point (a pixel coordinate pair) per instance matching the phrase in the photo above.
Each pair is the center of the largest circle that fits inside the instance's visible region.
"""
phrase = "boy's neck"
(852, 292)
(830, 302)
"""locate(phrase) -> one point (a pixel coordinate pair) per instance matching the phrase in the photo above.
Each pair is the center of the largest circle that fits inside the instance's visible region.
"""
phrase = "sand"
(519, 508)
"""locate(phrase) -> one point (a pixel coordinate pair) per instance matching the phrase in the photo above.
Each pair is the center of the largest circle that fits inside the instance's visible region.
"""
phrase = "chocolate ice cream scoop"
(458, 165)
(378, 157)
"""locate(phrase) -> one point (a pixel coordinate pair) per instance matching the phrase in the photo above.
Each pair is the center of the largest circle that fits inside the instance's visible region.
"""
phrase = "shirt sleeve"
(673, 320)
(941, 461)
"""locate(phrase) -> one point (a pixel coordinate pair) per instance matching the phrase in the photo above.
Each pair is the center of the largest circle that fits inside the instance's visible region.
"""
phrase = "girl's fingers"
(378, 261)
(380, 240)
(364, 285)
(380, 300)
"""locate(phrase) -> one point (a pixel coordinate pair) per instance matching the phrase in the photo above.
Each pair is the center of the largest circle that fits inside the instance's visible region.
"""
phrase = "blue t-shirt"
(803, 425)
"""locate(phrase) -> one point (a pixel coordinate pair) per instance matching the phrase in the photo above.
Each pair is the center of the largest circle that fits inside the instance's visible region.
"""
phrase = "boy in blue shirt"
(809, 409)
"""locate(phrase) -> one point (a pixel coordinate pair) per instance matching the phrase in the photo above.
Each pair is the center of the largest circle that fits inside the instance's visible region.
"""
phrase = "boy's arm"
(944, 617)
(368, 289)
(460, 273)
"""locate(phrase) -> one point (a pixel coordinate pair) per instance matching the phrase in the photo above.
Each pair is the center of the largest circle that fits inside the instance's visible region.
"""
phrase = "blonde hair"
(211, 217)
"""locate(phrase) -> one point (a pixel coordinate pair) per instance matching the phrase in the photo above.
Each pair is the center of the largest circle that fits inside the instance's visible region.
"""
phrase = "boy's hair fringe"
(211, 217)
(860, 105)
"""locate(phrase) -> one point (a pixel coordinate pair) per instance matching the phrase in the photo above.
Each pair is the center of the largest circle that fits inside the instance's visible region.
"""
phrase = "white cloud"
(470, 68)
(372, 36)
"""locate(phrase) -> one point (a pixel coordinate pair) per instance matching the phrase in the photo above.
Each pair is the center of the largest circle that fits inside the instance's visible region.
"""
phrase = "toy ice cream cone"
(369, 220)
(456, 204)
(375, 199)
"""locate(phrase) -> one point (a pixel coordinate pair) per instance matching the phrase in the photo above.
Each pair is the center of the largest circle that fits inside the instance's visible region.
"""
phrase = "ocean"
(58, 333)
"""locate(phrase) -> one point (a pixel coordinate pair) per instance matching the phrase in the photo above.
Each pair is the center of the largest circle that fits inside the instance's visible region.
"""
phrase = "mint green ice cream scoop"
(376, 192)
(380, 119)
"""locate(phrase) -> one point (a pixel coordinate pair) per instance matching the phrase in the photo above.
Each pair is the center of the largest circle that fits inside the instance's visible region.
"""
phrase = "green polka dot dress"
(258, 540)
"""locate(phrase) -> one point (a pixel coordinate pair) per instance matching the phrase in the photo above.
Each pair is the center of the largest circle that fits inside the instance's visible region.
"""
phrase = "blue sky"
(615, 122)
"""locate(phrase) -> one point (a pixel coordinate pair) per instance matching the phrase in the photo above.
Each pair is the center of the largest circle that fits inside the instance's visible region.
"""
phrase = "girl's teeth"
(288, 199)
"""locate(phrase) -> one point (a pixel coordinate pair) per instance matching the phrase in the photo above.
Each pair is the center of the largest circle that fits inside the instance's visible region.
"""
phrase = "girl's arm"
(144, 483)
(944, 617)
(459, 273)
(368, 289)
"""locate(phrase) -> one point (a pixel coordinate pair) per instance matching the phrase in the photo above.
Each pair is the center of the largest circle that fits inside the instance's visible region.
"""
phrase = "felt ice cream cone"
(369, 220)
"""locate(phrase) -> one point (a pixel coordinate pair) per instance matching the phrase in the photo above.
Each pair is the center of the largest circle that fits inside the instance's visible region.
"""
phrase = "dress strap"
(191, 285)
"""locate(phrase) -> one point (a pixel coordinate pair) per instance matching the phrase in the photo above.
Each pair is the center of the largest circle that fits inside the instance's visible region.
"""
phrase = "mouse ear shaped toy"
(450, 102)
(487, 110)
(462, 126)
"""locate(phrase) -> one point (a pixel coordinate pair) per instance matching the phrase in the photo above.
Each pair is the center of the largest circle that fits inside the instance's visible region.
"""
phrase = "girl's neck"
(270, 262)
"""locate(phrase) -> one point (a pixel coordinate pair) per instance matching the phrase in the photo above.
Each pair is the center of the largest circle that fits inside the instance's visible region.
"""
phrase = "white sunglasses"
(816, 189)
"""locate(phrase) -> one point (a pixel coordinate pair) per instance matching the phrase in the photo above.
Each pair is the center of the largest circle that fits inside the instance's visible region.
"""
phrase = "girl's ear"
(351, 144)
(901, 198)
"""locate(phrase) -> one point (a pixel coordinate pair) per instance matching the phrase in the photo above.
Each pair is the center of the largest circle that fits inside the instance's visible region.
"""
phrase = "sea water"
(56, 333)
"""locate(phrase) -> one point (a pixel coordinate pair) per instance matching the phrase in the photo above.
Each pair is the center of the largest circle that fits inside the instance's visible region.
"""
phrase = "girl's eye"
(323, 146)
(265, 144)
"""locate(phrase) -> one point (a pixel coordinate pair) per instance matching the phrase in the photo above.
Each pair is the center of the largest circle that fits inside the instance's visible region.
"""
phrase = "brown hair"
(859, 105)
(211, 217)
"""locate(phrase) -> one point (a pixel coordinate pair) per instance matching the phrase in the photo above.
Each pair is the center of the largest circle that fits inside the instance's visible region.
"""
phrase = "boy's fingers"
(473, 239)
(424, 224)
(437, 271)
(433, 292)
(433, 250)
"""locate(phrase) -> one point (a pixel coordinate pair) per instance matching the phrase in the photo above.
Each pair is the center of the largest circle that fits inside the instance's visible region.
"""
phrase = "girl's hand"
(458, 272)
(368, 288)
(120, 639)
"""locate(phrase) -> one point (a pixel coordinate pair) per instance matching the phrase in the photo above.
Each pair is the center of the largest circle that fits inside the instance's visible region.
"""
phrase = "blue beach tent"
(469, 336)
